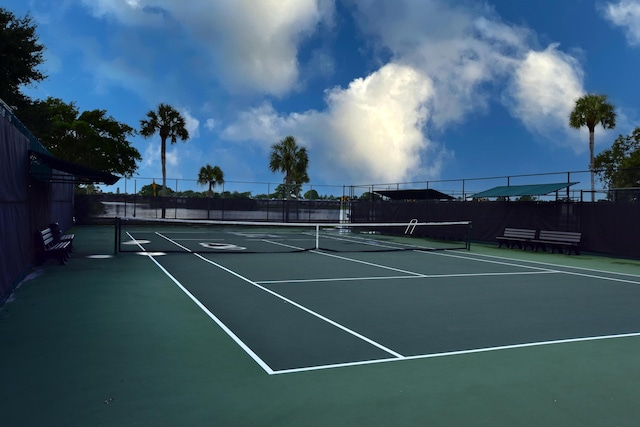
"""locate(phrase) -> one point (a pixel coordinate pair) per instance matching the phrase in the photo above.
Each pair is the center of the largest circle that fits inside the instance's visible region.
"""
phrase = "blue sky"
(379, 91)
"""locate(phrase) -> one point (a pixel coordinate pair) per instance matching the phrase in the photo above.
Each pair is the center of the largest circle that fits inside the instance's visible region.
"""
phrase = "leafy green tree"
(211, 175)
(90, 138)
(191, 194)
(619, 166)
(311, 195)
(591, 110)
(170, 125)
(20, 54)
(292, 160)
(147, 190)
(283, 191)
(237, 194)
(370, 196)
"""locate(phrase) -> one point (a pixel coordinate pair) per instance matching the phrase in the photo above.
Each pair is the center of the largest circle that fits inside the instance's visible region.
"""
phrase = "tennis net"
(174, 235)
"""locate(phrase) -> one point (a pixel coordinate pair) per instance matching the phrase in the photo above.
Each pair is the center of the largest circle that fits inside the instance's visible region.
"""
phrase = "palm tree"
(292, 160)
(169, 124)
(591, 110)
(212, 176)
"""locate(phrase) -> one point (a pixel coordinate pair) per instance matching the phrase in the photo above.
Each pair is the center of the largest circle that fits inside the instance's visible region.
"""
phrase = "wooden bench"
(58, 235)
(50, 248)
(517, 237)
(558, 240)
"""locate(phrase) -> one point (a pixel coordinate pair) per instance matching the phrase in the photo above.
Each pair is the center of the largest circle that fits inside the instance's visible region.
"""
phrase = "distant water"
(138, 210)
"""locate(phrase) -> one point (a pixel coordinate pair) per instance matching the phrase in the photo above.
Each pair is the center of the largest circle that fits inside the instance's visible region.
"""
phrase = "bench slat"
(560, 236)
(520, 237)
(52, 248)
(558, 240)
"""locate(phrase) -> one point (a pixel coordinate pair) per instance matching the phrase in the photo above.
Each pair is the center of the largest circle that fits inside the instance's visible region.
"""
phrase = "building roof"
(47, 168)
(523, 190)
(414, 194)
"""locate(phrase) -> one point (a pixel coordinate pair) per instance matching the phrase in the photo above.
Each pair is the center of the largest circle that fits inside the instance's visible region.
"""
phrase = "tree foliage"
(169, 124)
(591, 110)
(90, 138)
(148, 190)
(211, 175)
(292, 160)
(283, 191)
(20, 56)
(619, 166)
(370, 196)
(311, 195)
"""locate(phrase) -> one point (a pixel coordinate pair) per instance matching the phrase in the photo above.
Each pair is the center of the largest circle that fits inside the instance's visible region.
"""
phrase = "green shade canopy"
(523, 190)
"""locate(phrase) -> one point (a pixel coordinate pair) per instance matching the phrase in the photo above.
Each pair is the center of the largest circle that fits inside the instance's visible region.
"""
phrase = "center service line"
(295, 304)
(303, 308)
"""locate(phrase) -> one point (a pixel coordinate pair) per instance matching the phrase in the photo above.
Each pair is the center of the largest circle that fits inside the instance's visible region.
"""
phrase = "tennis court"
(323, 337)
(325, 309)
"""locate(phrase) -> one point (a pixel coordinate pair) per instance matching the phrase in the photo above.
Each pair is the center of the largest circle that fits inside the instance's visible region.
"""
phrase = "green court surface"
(459, 338)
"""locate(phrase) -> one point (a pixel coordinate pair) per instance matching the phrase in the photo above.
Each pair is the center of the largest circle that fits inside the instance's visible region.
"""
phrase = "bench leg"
(574, 249)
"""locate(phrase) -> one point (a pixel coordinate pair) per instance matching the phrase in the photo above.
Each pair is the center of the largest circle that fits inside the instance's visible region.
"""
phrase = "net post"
(469, 236)
(411, 226)
(317, 236)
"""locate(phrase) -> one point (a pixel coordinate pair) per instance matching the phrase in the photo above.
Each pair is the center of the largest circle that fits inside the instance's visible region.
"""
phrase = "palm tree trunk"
(287, 197)
(591, 146)
(163, 158)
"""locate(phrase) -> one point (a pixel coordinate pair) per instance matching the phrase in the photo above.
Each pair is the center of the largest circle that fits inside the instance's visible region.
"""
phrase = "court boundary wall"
(27, 205)
(608, 228)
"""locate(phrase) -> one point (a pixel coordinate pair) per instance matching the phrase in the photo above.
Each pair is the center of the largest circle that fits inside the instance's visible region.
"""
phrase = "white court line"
(423, 276)
(420, 275)
(199, 239)
(174, 242)
(367, 242)
(303, 308)
(467, 258)
(213, 317)
(555, 270)
(412, 273)
(456, 353)
(295, 304)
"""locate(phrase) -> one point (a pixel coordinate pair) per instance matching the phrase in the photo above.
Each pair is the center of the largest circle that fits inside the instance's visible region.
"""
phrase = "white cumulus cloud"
(375, 126)
(544, 88)
(625, 14)
(192, 124)
(439, 65)
(250, 46)
(370, 131)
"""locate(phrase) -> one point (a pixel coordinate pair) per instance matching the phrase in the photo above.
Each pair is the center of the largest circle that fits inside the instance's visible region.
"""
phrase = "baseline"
(459, 353)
